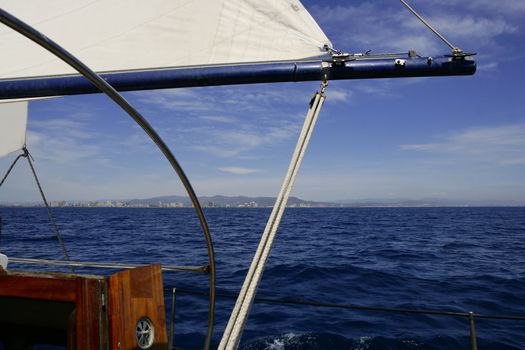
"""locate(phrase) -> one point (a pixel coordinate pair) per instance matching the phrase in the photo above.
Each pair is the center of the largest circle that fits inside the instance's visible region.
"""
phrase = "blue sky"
(457, 138)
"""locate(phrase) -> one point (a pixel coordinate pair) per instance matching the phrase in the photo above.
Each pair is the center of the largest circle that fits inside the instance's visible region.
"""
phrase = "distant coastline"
(180, 202)
(263, 202)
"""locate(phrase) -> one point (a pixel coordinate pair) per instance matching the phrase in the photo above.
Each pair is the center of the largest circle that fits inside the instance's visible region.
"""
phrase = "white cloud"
(217, 118)
(470, 27)
(238, 170)
(506, 7)
(387, 26)
(231, 121)
(514, 161)
(242, 139)
(358, 28)
(70, 128)
(138, 142)
(504, 144)
(63, 140)
(487, 66)
(338, 95)
(61, 149)
(223, 99)
(222, 151)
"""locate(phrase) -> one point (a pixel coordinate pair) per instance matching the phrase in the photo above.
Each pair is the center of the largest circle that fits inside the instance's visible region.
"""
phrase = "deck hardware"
(103, 300)
(172, 318)
(3, 261)
(145, 333)
(473, 340)
(338, 57)
(400, 62)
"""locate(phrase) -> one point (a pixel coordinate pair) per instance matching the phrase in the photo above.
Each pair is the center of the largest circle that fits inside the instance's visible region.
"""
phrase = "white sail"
(13, 121)
(123, 35)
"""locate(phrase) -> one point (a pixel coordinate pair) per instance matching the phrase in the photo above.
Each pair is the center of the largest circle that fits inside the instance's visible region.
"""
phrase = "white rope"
(232, 334)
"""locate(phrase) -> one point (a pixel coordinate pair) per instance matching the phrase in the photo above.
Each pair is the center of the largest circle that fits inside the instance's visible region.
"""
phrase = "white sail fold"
(13, 122)
(123, 35)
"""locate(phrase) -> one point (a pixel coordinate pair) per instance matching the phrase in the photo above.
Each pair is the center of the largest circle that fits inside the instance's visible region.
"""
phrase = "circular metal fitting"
(145, 333)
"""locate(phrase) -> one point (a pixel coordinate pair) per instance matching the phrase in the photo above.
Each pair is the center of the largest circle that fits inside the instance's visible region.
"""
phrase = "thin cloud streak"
(238, 170)
(230, 122)
(63, 140)
(389, 27)
(335, 95)
(504, 145)
(507, 7)
(472, 27)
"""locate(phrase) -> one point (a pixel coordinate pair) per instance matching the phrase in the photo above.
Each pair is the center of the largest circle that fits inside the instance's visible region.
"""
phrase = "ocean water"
(456, 259)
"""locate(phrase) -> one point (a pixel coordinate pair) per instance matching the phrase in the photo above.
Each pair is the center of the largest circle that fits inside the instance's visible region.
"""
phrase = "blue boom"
(364, 67)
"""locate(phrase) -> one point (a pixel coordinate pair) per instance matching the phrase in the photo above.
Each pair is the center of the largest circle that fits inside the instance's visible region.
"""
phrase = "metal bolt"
(400, 63)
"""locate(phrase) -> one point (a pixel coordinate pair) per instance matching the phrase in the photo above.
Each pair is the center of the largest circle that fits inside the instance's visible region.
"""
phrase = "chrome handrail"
(105, 265)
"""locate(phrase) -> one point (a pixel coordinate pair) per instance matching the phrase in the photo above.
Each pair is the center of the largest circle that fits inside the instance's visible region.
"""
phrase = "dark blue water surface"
(460, 259)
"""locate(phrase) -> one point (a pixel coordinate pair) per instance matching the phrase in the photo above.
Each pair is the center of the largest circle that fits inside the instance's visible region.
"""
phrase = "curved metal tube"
(34, 35)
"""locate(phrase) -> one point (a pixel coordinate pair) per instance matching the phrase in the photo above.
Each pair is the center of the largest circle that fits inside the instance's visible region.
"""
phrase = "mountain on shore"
(428, 202)
(230, 201)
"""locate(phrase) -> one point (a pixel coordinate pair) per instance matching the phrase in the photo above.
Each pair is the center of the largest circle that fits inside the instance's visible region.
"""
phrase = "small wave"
(324, 341)
(459, 246)
(321, 341)
(308, 341)
(46, 238)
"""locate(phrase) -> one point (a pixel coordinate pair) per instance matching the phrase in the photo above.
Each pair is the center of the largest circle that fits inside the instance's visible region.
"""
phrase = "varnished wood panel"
(91, 324)
(36, 287)
(134, 294)
(84, 326)
(89, 315)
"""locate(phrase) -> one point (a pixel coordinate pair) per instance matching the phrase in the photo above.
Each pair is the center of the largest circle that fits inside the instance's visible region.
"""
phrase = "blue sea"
(455, 259)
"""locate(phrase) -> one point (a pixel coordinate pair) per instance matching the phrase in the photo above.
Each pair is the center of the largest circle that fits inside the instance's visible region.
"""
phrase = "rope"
(233, 331)
(5, 178)
(455, 50)
(11, 168)
(28, 156)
